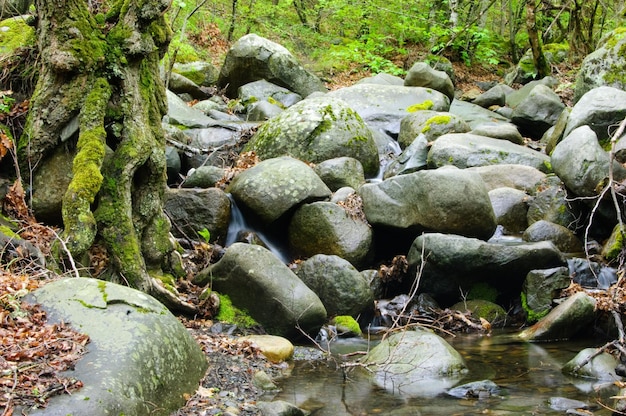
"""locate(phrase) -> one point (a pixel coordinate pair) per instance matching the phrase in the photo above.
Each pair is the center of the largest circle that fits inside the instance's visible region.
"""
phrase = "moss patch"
(15, 33)
(346, 323)
(426, 105)
(231, 314)
(531, 315)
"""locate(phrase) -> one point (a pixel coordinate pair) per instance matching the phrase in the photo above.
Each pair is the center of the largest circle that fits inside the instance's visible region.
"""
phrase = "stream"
(529, 376)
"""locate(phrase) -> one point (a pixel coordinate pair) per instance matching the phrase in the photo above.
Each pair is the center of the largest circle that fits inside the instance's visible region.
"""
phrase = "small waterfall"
(242, 230)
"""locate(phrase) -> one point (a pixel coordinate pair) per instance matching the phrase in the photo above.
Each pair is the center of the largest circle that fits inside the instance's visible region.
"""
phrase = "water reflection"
(528, 374)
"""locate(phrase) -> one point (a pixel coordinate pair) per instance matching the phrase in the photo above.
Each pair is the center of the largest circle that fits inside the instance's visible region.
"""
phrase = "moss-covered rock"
(15, 33)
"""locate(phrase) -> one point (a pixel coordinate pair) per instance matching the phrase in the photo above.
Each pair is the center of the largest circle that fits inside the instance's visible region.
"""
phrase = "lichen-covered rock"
(423, 75)
(538, 111)
(327, 228)
(446, 200)
(465, 150)
(431, 124)
(252, 58)
(192, 210)
(262, 90)
(598, 109)
(315, 130)
(480, 308)
(582, 164)
(261, 284)
(449, 262)
(340, 287)
(564, 321)
(382, 106)
(275, 186)
(139, 358)
(417, 363)
(604, 66)
(202, 73)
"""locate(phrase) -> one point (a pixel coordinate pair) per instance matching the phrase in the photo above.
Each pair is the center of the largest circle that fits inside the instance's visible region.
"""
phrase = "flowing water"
(529, 376)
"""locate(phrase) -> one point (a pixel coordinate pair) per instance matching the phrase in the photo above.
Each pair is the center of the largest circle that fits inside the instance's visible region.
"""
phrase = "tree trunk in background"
(541, 64)
(103, 71)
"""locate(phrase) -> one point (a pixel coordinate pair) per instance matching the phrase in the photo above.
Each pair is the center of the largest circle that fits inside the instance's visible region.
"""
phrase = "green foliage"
(205, 234)
(369, 52)
(6, 101)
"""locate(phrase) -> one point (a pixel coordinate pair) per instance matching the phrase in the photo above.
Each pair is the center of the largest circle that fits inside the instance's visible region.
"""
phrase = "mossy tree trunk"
(541, 63)
(100, 67)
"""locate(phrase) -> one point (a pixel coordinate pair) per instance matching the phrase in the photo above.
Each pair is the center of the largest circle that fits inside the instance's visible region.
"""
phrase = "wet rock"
(447, 200)
(192, 210)
(431, 124)
(279, 408)
(475, 390)
(340, 287)
(382, 105)
(465, 150)
(340, 172)
(479, 308)
(564, 239)
(601, 367)
(541, 287)
(259, 282)
(328, 228)
(451, 262)
(413, 158)
(417, 363)
(315, 130)
(139, 355)
(275, 186)
(252, 58)
(563, 404)
(591, 274)
(564, 321)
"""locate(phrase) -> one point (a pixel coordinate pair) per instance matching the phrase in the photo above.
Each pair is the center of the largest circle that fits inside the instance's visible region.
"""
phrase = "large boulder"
(582, 164)
(192, 210)
(423, 75)
(262, 90)
(275, 186)
(415, 363)
(201, 73)
(449, 262)
(563, 238)
(140, 359)
(604, 66)
(342, 289)
(521, 177)
(564, 321)
(315, 130)
(261, 284)
(538, 111)
(599, 109)
(465, 150)
(341, 172)
(431, 124)
(252, 58)
(382, 106)
(328, 228)
(447, 200)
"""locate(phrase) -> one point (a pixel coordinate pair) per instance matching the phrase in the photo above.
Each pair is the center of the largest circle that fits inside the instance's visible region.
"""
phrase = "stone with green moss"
(15, 33)
(431, 124)
(614, 246)
(231, 314)
(347, 325)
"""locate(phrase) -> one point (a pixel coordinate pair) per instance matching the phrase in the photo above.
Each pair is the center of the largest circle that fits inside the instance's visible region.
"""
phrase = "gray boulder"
(524, 178)
(451, 262)
(179, 84)
(499, 130)
(201, 73)
(423, 75)
(415, 363)
(446, 200)
(341, 172)
(552, 202)
(600, 367)
(494, 96)
(564, 239)
(383, 105)
(140, 357)
(475, 115)
(262, 90)
(262, 111)
(252, 58)
(564, 321)
(600, 108)
(382, 79)
(178, 112)
(514, 98)
(275, 186)
(511, 209)
(431, 124)
(604, 66)
(465, 150)
(538, 111)
(192, 210)
(327, 228)
(340, 287)
(540, 288)
(215, 142)
(582, 164)
(260, 283)
(315, 130)
(203, 177)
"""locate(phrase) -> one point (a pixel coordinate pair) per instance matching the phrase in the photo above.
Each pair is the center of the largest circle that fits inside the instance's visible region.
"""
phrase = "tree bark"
(541, 64)
(103, 70)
